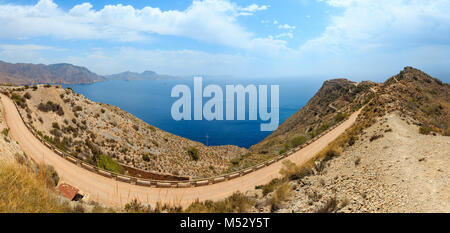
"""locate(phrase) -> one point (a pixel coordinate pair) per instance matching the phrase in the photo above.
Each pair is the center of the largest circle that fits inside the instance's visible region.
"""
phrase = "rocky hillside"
(332, 104)
(401, 171)
(394, 159)
(22, 73)
(104, 135)
(417, 95)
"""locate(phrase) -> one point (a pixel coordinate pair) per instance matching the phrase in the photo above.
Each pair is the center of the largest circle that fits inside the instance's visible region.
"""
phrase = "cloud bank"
(211, 21)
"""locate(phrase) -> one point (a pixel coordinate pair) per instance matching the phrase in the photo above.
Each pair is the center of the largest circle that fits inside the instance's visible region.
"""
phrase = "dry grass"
(291, 171)
(24, 191)
(236, 203)
(280, 195)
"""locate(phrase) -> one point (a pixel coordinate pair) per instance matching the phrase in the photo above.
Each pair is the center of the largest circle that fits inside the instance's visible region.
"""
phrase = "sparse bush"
(50, 174)
(136, 207)
(280, 195)
(375, 137)
(329, 207)
(5, 131)
(424, 130)
(18, 100)
(290, 171)
(330, 154)
(27, 96)
(193, 152)
(50, 106)
(77, 108)
(20, 159)
(357, 161)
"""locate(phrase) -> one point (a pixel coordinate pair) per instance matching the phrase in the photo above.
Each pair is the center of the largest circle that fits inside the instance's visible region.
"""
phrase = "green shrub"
(146, 158)
(351, 140)
(270, 187)
(109, 164)
(193, 152)
(447, 132)
(5, 131)
(297, 141)
(282, 151)
(55, 125)
(424, 130)
(340, 117)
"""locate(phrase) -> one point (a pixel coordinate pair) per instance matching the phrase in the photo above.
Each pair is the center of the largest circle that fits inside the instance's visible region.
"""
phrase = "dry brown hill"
(104, 135)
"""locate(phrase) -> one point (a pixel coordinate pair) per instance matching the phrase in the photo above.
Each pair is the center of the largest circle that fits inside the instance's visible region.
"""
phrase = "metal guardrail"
(171, 184)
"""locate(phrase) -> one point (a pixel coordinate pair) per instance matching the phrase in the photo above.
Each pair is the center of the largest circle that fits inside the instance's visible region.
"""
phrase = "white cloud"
(286, 26)
(385, 24)
(287, 34)
(213, 21)
(253, 8)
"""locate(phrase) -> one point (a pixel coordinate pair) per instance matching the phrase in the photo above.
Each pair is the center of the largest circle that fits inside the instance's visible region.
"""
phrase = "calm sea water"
(150, 101)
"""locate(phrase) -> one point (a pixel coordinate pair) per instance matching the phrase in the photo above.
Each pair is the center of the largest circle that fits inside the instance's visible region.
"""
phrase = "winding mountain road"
(115, 193)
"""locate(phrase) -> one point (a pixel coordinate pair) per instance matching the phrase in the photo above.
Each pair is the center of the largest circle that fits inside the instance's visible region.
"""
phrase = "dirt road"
(115, 193)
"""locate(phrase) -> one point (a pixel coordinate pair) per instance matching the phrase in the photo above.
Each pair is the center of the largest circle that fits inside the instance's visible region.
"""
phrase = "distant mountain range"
(25, 73)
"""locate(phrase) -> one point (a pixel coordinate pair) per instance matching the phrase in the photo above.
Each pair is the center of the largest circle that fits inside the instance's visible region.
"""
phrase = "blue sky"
(358, 39)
